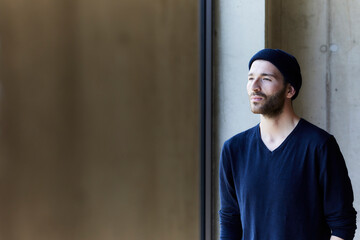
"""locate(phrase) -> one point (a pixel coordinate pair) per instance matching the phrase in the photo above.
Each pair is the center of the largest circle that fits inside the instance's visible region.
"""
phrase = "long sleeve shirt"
(301, 190)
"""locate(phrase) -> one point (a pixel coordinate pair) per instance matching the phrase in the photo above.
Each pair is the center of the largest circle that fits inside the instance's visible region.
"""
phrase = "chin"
(256, 111)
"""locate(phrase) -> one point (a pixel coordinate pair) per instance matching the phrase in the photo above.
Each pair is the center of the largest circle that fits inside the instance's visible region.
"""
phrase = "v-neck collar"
(283, 142)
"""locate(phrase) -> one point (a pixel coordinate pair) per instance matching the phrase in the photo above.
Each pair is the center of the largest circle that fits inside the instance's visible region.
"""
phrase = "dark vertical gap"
(273, 23)
(202, 118)
(206, 118)
(70, 81)
(70, 161)
(8, 102)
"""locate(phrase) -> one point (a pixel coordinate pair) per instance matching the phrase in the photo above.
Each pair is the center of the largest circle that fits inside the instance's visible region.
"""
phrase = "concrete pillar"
(324, 37)
(239, 33)
(344, 62)
(301, 28)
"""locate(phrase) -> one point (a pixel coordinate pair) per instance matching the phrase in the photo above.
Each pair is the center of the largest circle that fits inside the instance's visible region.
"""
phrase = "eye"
(267, 79)
(250, 78)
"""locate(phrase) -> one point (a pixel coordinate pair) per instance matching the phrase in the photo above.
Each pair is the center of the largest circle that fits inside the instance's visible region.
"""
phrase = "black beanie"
(285, 62)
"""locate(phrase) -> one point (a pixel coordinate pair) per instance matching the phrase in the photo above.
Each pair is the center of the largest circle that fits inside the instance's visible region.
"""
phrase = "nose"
(255, 85)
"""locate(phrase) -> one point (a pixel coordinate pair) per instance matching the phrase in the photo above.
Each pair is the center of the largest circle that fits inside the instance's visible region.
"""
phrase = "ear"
(290, 91)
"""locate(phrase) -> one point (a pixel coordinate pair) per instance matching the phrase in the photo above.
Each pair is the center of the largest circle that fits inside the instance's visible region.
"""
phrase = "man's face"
(266, 89)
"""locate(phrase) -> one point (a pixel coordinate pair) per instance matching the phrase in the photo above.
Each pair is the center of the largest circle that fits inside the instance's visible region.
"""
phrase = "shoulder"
(312, 134)
(236, 146)
(240, 139)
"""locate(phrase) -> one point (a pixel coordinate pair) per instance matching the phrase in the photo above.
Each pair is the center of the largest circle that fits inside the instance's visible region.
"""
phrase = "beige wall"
(100, 120)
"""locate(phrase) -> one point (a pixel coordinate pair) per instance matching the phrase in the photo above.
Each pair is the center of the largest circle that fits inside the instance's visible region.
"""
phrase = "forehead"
(262, 67)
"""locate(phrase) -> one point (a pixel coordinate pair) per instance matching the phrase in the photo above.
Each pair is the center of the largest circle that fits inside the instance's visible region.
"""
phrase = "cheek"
(248, 87)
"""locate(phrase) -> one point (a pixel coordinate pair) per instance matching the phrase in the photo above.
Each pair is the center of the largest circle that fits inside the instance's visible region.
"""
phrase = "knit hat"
(285, 62)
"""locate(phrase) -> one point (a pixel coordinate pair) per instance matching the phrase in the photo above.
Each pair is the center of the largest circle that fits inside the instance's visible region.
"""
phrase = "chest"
(265, 175)
(273, 143)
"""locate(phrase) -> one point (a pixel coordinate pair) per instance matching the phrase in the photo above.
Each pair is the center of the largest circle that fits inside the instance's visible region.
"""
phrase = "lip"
(256, 98)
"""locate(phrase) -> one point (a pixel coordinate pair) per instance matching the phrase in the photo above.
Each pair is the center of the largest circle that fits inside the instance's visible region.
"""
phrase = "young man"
(284, 179)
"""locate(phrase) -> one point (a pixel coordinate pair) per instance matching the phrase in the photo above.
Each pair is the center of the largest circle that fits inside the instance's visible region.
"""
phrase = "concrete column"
(323, 36)
(344, 62)
(300, 27)
(239, 33)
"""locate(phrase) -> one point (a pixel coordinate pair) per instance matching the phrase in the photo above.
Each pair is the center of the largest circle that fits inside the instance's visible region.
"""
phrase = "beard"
(271, 106)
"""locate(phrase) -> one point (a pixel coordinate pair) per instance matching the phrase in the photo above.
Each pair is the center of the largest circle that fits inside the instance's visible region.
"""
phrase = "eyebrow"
(263, 74)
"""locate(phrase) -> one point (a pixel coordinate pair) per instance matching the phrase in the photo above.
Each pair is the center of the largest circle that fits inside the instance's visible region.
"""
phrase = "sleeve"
(337, 191)
(229, 214)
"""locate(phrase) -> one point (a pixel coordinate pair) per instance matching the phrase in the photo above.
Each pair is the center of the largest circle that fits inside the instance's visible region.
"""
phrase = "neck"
(277, 128)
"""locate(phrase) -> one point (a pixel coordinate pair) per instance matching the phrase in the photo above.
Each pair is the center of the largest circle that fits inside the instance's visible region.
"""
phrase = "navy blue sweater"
(299, 191)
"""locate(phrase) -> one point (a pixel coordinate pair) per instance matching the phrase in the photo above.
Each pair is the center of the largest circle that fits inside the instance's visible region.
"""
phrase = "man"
(284, 179)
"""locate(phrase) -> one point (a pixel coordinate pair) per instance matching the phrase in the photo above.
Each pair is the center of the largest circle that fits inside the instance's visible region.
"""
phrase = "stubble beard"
(272, 105)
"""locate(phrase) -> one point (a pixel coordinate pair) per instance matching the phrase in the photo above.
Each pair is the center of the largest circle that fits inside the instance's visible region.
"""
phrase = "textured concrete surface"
(301, 28)
(344, 98)
(239, 33)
